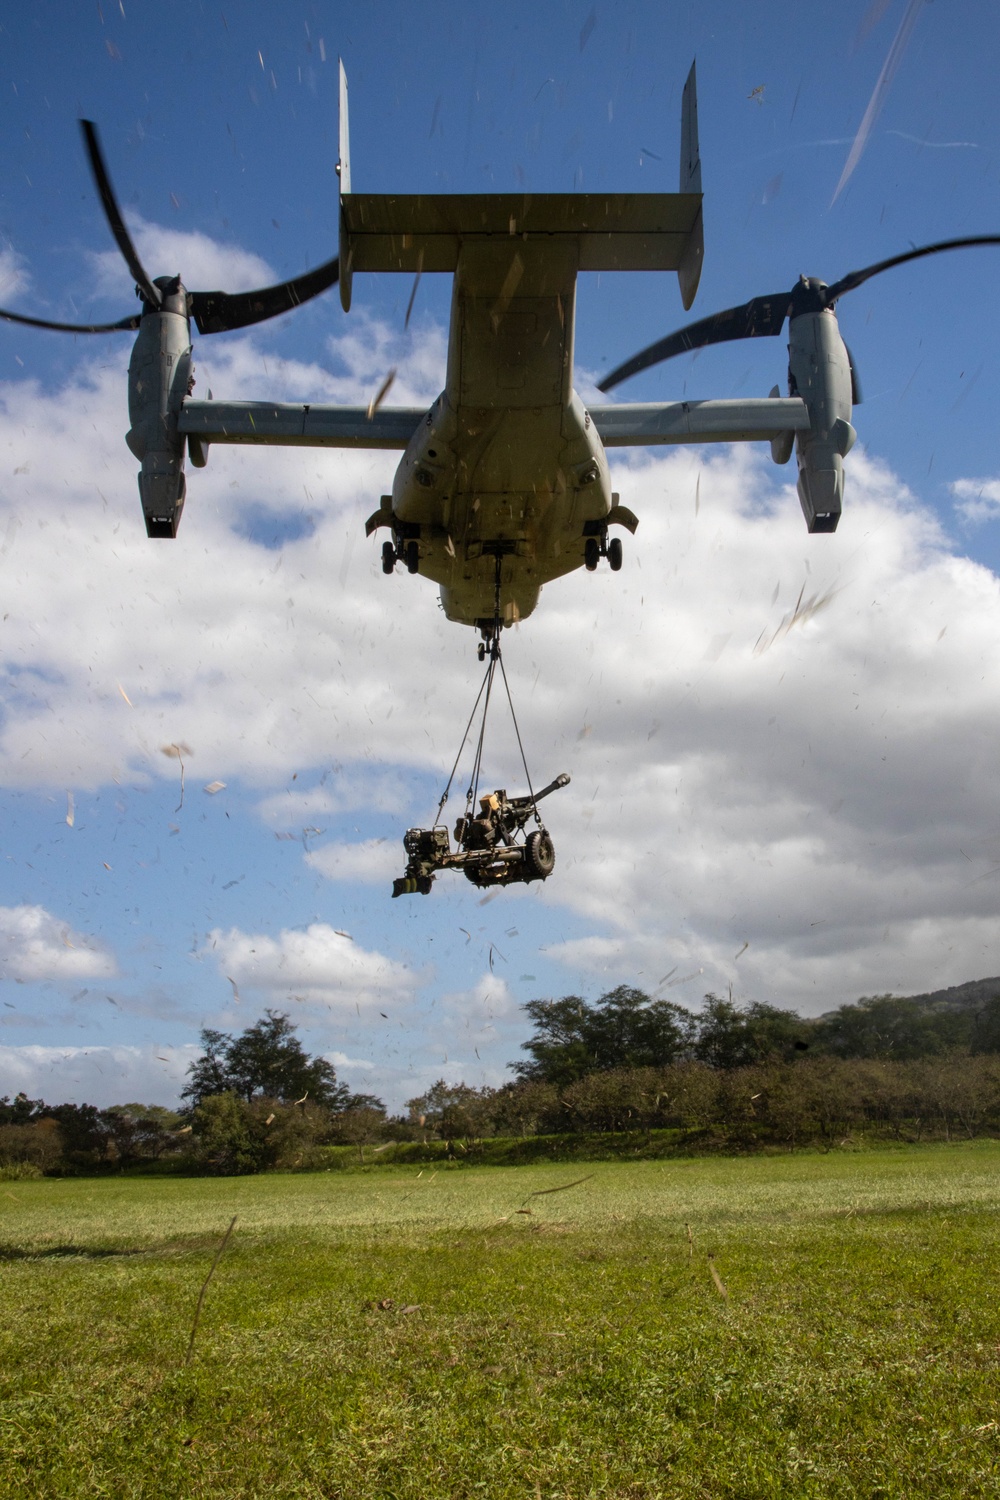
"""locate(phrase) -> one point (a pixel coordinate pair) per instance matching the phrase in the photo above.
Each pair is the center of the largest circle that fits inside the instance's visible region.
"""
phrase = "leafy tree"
(615, 1099)
(209, 1072)
(627, 1029)
(266, 1061)
(231, 1136)
(892, 1027)
(985, 1028)
(139, 1132)
(365, 1101)
(454, 1111)
(624, 1029)
(527, 1108)
(737, 1036)
(38, 1145)
(20, 1110)
(223, 1136)
(359, 1125)
(558, 1049)
(84, 1134)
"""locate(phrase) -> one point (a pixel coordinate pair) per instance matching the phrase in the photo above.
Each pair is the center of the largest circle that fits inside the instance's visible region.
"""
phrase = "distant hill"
(965, 1017)
(969, 996)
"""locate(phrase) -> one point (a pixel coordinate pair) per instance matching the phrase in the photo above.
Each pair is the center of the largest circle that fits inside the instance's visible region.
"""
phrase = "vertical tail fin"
(344, 173)
(689, 271)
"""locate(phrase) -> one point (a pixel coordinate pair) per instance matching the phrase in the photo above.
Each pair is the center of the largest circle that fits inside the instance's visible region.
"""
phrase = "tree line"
(626, 1028)
(730, 1075)
(823, 1100)
(252, 1102)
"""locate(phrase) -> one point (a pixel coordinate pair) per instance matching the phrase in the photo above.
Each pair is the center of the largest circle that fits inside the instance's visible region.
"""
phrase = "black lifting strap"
(485, 691)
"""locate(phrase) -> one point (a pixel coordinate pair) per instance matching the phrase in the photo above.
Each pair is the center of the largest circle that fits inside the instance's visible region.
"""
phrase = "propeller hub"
(808, 296)
(173, 296)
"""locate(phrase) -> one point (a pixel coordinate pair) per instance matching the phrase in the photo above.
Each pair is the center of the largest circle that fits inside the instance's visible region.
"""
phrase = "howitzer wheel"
(540, 854)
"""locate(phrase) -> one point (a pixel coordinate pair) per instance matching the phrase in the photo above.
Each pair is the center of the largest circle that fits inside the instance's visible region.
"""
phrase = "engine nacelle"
(819, 371)
(160, 375)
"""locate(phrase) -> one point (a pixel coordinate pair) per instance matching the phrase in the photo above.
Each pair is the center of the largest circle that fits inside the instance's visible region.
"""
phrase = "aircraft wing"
(310, 425)
(294, 424)
(628, 426)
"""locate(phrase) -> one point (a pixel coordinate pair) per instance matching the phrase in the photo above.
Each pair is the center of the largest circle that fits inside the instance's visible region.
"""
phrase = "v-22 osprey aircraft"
(504, 484)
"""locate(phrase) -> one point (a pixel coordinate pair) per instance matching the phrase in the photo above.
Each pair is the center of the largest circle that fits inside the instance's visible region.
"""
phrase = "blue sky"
(817, 786)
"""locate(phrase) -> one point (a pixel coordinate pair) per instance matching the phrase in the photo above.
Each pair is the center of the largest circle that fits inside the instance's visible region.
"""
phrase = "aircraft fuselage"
(508, 465)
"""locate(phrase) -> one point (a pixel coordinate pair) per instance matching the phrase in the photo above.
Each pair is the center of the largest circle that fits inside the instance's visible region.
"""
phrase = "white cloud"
(491, 1000)
(14, 278)
(977, 500)
(316, 964)
(104, 1076)
(372, 860)
(822, 800)
(204, 264)
(36, 945)
(340, 790)
(817, 783)
(343, 1060)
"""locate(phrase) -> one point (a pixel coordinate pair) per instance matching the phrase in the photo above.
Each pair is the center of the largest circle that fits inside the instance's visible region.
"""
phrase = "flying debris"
(540, 502)
(504, 484)
(531, 491)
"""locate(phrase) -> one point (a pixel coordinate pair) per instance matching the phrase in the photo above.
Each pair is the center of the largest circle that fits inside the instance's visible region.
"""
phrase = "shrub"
(21, 1171)
(231, 1137)
(38, 1145)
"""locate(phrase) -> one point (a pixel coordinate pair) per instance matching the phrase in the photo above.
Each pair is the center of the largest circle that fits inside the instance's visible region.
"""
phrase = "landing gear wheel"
(388, 558)
(540, 854)
(412, 557)
(615, 554)
(591, 554)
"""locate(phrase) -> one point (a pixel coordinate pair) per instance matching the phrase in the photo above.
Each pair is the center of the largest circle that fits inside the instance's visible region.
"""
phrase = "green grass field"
(407, 1333)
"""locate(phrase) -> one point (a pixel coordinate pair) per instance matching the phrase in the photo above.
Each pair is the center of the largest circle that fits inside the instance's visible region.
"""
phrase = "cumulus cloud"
(339, 790)
(977, 500)
(104, 1076)
(204, 264)
(776, 740)
(372, 860)
(14, 278)
(316, 964)
(36, 945)
(821, 800)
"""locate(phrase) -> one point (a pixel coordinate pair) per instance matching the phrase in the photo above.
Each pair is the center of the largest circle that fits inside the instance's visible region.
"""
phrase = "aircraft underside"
(487, 494)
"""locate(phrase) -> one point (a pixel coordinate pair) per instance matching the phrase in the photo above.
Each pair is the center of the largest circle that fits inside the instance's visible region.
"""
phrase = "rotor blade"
(113, 214)
(760, 317)
(221, 312)
(857, 278)
(120, 326)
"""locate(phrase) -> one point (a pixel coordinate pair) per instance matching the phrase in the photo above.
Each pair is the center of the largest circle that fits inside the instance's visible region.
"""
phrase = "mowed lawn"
(829, 1327)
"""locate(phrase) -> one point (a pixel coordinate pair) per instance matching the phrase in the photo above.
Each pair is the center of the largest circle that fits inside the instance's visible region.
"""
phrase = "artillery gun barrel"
(562, 779)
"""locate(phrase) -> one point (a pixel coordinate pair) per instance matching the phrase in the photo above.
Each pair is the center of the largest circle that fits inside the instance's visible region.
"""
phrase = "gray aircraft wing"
(296, 424)
(628, 426)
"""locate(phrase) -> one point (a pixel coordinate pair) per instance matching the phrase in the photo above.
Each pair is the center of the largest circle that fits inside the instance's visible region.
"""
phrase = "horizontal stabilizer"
(613, 231)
